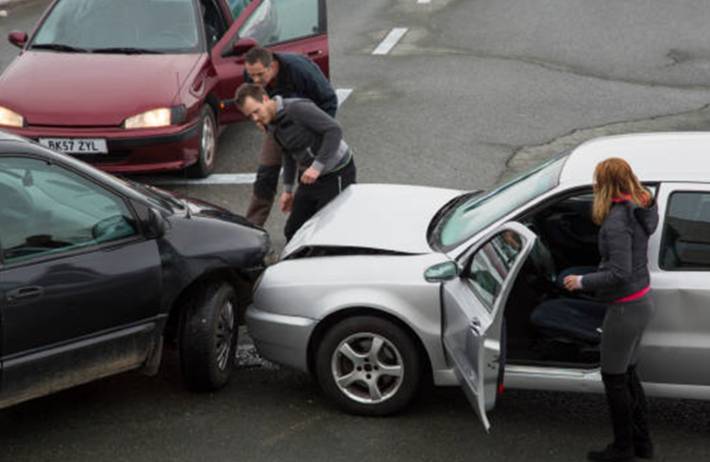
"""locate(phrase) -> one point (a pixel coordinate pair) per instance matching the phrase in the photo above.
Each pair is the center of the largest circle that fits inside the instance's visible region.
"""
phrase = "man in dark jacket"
(313, 150)
(289, 76)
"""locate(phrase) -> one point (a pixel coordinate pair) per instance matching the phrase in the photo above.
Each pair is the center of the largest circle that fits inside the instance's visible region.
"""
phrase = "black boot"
(617, 395)
(643, 447)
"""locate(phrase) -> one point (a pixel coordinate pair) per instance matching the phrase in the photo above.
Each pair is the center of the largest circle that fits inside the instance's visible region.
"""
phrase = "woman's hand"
(573, 282)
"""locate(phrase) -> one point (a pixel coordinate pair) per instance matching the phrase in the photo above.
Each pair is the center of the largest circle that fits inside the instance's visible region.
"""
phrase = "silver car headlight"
(161, 117)
(9, 118)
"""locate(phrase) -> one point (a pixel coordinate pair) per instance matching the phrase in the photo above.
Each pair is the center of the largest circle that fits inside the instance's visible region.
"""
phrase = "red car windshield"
(120, 26)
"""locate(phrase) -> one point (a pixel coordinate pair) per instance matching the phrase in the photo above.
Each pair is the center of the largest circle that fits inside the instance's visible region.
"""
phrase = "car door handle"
(475, 325)
(315, 53)
(24, 293)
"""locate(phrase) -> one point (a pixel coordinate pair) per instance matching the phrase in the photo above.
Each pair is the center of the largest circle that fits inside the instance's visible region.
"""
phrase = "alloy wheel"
(208, 142)
(224, 334)
(367, 368)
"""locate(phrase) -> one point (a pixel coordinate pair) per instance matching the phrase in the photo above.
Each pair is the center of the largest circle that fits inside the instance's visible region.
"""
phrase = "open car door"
(473, 312)
(281, 26)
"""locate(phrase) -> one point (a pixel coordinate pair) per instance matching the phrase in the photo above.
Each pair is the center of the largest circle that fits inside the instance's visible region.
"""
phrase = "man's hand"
(286, 202)
(310, 176)
(573, 282)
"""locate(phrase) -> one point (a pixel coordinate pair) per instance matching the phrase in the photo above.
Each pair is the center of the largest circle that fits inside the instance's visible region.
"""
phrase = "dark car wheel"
(368, 366)
(208, 146)
(208, 337)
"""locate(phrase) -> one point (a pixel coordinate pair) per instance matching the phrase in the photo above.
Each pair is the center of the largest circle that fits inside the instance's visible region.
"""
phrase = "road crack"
(525, 157)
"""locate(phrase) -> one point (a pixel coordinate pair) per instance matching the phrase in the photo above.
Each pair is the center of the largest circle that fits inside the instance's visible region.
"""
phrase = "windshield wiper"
(127, 51)
(59, 47)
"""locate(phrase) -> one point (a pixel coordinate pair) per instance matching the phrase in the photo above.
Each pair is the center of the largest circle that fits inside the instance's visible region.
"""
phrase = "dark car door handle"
(24, 293)
(315, 53)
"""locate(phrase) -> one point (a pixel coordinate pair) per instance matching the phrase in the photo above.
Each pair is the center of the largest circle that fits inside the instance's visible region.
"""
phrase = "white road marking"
(390, 41)
(227, 178)
(423, 1)
(342, 94)
(214, 179)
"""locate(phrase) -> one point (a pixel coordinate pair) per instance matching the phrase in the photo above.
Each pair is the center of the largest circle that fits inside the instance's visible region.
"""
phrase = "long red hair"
(613, 180)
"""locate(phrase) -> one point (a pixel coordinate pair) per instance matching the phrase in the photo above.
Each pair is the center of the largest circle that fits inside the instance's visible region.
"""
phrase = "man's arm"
(315, 119)
(315, 86)
(289, 172)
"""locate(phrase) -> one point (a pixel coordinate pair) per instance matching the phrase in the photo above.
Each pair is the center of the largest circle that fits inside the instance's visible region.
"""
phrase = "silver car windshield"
(470, 217)
(125, 26)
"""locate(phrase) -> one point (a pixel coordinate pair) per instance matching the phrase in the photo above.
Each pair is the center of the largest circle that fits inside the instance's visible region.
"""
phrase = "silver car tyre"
(368, 365)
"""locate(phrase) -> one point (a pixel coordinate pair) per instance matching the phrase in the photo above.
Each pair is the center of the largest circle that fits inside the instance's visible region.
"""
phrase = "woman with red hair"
(628, 216)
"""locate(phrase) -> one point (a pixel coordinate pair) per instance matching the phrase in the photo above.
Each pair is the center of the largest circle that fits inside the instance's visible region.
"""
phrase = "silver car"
(390, 285)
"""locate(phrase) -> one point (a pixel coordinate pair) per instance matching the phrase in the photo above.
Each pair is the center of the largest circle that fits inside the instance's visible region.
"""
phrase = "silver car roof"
(673, 156)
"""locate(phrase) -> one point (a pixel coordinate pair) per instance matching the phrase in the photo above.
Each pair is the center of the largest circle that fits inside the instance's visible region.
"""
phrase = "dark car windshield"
(463, 221)
(120, 27)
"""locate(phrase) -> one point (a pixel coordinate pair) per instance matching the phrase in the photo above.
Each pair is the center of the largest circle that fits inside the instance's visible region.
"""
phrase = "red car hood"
(75, 89)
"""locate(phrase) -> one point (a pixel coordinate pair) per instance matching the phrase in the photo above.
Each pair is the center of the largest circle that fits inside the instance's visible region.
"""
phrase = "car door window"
(215, 25)
(490, 265)
(47, 210)
(686, 232)
(237, 6)
(277, 21)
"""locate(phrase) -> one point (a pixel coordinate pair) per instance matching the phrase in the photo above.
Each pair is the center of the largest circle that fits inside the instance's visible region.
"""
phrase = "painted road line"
(214, 179)
(423, 1)
(342, 94)
(390, 41)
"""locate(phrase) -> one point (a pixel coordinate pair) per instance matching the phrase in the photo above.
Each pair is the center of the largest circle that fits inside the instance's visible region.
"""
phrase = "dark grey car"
(96, 273)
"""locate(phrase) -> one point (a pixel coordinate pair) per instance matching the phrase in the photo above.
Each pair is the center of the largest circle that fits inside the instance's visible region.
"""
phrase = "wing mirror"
(442, 272)
(19, 39)
(156, 225)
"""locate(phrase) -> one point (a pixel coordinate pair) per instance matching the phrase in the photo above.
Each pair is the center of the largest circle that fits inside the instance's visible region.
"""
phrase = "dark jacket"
(299, 77)
(308, 137)
(623, 246)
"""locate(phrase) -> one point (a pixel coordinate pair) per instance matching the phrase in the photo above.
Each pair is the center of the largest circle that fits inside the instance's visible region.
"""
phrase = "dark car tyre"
(368, 366)
(208, 145)
(208, 337)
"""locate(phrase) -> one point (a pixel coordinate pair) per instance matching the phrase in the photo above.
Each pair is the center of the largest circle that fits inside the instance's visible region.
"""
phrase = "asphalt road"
(475, 91)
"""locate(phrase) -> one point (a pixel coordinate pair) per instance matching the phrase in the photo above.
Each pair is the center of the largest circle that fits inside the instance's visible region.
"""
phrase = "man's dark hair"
(259, 54)
(252, 90)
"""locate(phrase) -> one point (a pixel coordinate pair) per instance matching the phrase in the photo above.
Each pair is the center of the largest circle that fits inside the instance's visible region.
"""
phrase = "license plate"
(76, 145)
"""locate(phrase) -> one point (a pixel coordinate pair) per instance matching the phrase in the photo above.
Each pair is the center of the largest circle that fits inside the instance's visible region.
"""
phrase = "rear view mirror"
(441, 272)
(243, 45)
(155, 225)
(19, 39)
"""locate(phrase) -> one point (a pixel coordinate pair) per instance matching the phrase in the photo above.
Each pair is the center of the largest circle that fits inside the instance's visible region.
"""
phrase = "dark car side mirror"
(19, 39)
(155, 225)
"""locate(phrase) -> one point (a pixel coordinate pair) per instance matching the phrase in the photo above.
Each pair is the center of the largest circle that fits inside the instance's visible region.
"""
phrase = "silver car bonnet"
(374, 216)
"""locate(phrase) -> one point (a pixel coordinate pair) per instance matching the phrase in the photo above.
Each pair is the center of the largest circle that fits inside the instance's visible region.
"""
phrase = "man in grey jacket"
(289, 76)
(313, 150)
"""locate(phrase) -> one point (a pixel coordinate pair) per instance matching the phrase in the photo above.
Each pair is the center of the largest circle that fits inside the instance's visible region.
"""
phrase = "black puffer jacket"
(623, 246)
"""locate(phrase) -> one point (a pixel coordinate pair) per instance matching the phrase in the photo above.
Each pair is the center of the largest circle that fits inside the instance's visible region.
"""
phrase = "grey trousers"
(622, 330)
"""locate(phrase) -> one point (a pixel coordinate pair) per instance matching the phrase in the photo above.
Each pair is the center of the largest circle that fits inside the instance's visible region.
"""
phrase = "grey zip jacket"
(309, 137)
(623, 246)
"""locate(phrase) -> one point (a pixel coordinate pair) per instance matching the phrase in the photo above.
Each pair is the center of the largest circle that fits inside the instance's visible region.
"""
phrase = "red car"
(144, 85)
